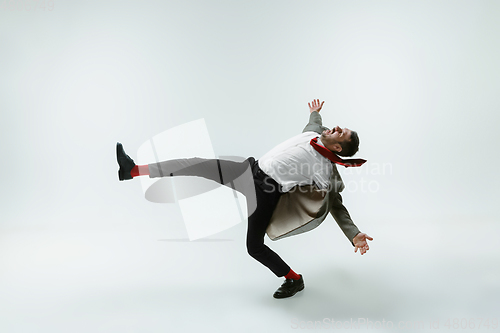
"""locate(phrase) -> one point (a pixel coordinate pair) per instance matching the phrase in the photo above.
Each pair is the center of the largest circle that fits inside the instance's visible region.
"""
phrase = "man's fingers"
(362, 249)
(315, 104)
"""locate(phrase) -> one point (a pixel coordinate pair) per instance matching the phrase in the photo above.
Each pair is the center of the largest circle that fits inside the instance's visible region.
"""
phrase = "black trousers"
(261, 191)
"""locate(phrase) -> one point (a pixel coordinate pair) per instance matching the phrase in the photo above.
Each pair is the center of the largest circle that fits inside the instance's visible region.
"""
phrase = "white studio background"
(81, 251)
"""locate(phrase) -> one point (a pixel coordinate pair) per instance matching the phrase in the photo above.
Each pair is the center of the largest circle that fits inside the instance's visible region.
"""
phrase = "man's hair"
(350, 147)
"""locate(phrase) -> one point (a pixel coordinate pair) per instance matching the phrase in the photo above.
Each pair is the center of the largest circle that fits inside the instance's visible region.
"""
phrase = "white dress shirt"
(296, 162)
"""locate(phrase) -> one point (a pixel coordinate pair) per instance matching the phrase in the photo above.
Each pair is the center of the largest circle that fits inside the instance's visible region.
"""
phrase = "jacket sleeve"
(342, 217)
(315, 123)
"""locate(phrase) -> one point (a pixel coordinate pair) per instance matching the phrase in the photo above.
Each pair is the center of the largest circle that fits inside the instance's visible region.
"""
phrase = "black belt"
(263, 179)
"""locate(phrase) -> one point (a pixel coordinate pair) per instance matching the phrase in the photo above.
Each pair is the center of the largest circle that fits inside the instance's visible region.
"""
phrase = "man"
(304, 161)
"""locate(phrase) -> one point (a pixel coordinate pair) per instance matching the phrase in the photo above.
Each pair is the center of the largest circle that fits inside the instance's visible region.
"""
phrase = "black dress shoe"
(125, 162)
(289, 288)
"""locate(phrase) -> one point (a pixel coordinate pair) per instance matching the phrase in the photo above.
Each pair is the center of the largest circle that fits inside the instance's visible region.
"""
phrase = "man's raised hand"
(315, 105)
(361, 243)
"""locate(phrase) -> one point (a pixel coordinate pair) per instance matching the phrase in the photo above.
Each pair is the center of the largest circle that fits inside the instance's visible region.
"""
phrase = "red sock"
(140, 170)
(292, 275)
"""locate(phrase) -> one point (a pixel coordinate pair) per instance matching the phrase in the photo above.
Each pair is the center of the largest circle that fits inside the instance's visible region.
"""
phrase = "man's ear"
(337, 148)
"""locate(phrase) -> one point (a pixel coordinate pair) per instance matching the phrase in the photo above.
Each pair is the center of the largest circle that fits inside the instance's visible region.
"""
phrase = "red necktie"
(334, 158)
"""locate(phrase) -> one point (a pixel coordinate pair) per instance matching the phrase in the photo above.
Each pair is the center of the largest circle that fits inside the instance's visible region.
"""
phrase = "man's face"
(334, 137)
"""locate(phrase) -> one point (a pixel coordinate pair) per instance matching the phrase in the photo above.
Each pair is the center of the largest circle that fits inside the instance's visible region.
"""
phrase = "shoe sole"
(121, 151)
(120, 173)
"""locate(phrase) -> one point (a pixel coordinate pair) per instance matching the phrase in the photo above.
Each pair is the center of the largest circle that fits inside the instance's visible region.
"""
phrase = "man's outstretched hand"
(361, 243)
(315, 105)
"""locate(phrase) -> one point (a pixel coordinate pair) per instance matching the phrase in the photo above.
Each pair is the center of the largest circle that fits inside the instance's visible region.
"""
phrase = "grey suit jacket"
(306, 207)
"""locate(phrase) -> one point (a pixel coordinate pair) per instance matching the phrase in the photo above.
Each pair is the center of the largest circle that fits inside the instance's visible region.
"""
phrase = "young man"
(304, 161)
